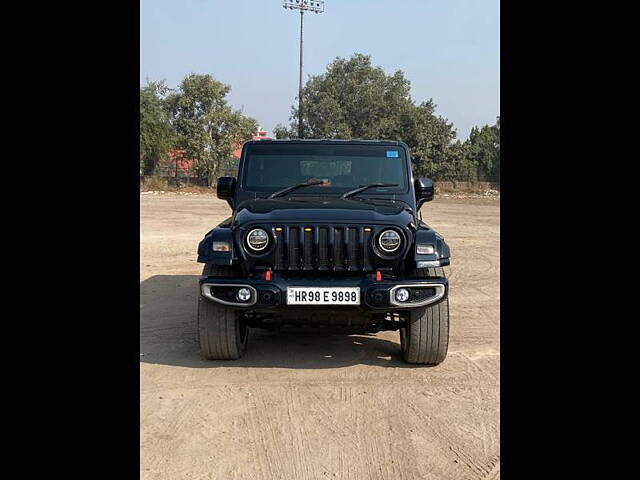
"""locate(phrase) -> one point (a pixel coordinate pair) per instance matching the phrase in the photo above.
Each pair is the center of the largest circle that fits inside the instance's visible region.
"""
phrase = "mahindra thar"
(325, 235)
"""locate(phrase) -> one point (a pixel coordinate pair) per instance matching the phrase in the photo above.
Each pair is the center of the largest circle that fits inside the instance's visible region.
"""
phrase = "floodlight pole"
(315, 6)
(300, 124)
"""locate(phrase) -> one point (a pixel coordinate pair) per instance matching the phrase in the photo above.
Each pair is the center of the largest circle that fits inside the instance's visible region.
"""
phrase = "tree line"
(352, 99)
(194, 119)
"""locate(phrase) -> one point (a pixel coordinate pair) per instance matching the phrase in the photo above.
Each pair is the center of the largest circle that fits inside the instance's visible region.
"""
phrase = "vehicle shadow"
(168, 306)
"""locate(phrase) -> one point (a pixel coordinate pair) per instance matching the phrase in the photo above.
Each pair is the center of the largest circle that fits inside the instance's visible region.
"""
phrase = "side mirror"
(424, 190)
(226, 188)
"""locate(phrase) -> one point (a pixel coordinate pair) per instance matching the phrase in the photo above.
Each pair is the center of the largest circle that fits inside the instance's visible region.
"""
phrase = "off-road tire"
(222, 335)
(425, 338)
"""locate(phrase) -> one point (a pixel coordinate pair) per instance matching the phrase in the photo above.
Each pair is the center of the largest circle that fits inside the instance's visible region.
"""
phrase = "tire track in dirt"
(316, 407)
(447, 441)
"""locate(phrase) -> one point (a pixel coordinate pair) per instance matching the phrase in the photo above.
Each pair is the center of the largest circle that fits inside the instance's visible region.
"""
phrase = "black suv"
(327, 235)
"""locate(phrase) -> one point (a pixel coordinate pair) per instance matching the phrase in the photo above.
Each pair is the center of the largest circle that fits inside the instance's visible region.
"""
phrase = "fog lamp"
(244, 294)
(402, 295)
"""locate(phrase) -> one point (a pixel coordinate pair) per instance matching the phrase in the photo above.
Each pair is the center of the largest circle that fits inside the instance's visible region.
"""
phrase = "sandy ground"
(302, 406)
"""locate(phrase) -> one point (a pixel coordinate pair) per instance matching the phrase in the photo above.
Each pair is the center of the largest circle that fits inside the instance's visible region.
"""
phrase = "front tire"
(222, 334)
(425, 338)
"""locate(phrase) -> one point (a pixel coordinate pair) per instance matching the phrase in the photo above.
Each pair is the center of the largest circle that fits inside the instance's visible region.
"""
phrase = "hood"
(323, 209)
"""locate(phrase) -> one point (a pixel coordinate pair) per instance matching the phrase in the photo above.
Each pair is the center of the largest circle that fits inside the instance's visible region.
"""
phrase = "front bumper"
(270, 295)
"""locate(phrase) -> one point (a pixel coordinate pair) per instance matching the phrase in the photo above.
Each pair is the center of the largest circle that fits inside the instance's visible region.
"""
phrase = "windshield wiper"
(367, 187)
(295, 187)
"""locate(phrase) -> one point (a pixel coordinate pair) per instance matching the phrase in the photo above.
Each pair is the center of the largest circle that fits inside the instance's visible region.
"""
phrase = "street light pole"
(302, 5)
(300, 123)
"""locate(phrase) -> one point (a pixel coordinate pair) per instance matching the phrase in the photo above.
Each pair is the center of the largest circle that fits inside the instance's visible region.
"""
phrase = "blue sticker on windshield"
(392, 154)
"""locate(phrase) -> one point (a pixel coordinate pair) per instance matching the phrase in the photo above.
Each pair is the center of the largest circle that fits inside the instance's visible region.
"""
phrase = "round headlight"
(257, 239)
(389, 241)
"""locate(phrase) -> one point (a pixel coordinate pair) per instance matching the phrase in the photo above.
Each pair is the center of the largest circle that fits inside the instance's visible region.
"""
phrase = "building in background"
(177, 163)
(231, 170)
(259, 135)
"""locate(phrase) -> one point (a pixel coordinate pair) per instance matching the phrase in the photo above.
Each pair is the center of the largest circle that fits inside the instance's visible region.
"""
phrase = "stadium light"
(315, 6)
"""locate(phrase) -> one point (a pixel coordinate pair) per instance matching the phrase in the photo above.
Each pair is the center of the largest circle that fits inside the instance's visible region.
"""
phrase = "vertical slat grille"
(307, 246)
(352, 249)
(325, 248)
(293, 249)
(278, 264)
(338, 261)
(323, 257)
(366, 250)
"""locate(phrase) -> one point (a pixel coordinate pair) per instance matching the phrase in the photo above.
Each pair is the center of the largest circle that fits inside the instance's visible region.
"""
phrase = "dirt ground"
(302, 406)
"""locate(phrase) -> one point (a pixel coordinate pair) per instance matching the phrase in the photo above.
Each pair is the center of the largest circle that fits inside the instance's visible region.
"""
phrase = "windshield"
(274, 166)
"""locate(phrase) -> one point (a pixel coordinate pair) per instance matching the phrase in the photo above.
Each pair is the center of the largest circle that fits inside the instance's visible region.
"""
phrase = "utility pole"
(302, 5)
(300, 123)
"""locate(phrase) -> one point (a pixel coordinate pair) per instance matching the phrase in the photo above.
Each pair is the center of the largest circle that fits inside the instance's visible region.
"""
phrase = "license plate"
(323, 296)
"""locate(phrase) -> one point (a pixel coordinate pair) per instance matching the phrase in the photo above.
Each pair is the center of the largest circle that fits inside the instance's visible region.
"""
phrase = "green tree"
(430, 138)
(156, 133)
(484, 151)
(280, 131)
(354, 99)
(207, 127)
(496, 162)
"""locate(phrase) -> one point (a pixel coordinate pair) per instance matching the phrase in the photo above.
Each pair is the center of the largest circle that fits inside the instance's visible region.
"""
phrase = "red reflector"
(378, 276)
(267, 275)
